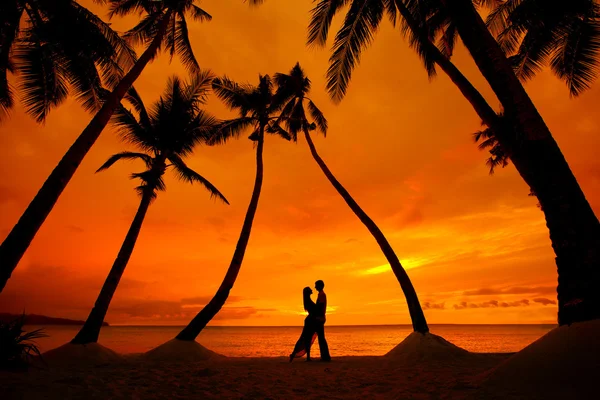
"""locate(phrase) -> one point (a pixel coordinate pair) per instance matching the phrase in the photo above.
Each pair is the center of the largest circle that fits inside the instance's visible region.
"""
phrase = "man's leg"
(323, 347)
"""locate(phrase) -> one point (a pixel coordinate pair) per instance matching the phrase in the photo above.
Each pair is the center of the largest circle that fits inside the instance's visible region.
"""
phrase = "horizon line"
(336, 325)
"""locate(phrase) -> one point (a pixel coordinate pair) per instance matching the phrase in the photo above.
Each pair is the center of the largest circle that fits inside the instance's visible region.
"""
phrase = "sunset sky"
(475, 246)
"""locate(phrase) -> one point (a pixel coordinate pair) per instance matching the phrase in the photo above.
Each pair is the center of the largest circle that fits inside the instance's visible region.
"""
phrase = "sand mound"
(564, 363)
(181, 350)
(80, 354)
(418, 347)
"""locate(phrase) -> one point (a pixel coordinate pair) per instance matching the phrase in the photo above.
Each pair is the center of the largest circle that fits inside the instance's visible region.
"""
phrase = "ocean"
(279, 341)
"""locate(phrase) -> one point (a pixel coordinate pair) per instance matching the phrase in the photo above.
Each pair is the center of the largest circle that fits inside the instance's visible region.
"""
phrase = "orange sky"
(476, 246)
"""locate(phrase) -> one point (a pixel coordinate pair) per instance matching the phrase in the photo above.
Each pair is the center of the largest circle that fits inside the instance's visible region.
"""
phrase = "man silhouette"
(321, 308)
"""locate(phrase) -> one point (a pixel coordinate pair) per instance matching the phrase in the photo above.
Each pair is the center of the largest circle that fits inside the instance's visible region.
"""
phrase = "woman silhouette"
(309, 333)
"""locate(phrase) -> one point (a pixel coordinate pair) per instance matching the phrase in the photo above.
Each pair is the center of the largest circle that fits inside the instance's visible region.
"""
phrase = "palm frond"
(133, 131)
(497, 19)
(43, 80)
(125, 54)
(231, 93)
(198, 89)
(122, 8)
(534, 52)
(187, 174)
(199, 14)
(145, 30)
(183, 47)
(274, 128)
(126, 155)
(10, 18)
(487, 140)
(576, 57)
(414, 27)
(318, 117)
(320, 22)
(230, 129)
(356, 33)
(152, 181)
(133, 97)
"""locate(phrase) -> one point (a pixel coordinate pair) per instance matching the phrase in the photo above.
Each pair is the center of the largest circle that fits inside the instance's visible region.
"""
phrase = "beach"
(252, 378)
(562, 364)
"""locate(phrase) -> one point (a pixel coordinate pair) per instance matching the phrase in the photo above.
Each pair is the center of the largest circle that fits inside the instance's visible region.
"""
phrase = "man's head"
(319, 285)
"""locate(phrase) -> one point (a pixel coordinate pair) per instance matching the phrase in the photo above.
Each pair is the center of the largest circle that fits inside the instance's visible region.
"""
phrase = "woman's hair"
(308, 303)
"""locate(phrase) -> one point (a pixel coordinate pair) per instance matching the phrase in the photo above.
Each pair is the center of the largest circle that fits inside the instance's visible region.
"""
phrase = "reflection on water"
(279, 341)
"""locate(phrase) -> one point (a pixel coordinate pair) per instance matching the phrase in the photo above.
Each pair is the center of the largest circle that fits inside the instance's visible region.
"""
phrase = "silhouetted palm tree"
(163, 26)
(257, 107)
(166, 134)
(45, 44)
(294, 88)
(523, 135)
(562, 34)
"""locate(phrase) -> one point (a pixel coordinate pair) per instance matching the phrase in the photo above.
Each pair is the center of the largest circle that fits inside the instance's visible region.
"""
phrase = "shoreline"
(347, 377)
(563, 364)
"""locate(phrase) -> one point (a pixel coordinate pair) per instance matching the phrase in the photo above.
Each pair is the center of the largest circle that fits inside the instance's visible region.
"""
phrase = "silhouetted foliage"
(564, 35)
(17, 346)
(293, 89)
(53, 47)
(163, 26)
(165, 134)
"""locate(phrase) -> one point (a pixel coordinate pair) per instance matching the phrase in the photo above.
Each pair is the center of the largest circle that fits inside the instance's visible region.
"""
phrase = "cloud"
(228, 313)
(433, 306)
(491, 304)
(544, 301)
(75, 228)
(407, 263)
(377, 270)
(203, 300)
(183, 310)
(511, 290)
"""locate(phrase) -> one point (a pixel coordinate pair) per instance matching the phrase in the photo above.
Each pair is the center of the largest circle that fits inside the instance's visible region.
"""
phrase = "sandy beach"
(562, 364)
(252, 378)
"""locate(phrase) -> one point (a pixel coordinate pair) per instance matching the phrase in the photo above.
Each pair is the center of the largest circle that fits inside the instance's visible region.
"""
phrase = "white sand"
(181, 350)
(80, 355)
(563, 364)
(425, 348)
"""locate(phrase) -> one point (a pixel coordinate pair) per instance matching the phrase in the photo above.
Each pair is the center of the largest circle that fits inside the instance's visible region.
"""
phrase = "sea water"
(279, 341)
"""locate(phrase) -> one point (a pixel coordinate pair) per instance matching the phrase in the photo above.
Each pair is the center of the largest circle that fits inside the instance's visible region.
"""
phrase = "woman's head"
(306, 297)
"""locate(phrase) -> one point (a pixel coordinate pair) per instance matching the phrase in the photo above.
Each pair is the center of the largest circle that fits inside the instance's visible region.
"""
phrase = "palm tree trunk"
(574, 228)
(414, 307)
(19, 238)
(207, 313)
(91, 329)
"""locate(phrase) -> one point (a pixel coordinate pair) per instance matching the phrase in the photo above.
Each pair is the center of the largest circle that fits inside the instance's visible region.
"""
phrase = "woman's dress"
(307, 337)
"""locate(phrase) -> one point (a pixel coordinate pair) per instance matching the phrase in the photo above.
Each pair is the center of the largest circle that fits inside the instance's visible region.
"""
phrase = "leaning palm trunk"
(574, 228)
(414, 307)
(19, 238)
(207, 313)
(91, 329)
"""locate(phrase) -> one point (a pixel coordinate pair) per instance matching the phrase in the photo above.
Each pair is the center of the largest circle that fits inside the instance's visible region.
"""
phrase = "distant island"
(34, 319)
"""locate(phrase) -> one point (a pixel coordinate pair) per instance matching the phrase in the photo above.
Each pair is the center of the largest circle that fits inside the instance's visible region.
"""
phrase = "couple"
(314, 324)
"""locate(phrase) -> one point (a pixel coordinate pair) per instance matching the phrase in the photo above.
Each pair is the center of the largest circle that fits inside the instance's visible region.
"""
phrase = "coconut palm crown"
(53, 48)
(167, 133)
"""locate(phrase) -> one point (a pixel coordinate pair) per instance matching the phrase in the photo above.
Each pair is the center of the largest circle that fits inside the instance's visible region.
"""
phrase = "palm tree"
(257, 107)
(45, 45)
(164, 25)
(294, 88)
(523, 135)
(165, 134)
